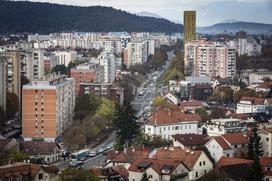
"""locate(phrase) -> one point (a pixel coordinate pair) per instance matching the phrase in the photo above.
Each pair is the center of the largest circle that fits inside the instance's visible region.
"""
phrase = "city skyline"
(209, 12)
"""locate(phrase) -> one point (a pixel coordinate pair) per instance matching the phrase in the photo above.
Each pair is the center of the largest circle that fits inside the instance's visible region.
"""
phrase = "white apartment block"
(48, 107)
(254, 105)
(246, 46)
(137, 53)
(32, 64)
(217, 127)
(65, 57)
(108, 61)
(205, 58)
(257, 77)
(266, 139)
(3, 83)
(151, 47)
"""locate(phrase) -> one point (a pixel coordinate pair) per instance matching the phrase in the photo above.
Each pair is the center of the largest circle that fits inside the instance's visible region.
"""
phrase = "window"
(200, 163)
(40, 176)
(196, 174)
(150, 176)
(204, 163)
(227, 155)
(205, 171)
(267, 139)
(235, 146)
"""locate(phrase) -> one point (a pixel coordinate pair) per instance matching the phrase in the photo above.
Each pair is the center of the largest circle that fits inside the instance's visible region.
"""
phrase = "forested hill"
(44, 18)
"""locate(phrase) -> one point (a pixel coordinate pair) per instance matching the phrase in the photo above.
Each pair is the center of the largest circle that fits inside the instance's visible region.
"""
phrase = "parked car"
(100, 150)
(92, 154)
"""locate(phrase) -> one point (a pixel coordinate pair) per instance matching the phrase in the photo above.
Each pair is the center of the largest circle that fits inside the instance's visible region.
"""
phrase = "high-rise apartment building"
(47, 107)
(108, 62)
(32, 64)
(13, 74)
(65, 57)
(87, 73)
(189, 26)
(3, 82)
(137, 53)
(205, 58)
(246, 46)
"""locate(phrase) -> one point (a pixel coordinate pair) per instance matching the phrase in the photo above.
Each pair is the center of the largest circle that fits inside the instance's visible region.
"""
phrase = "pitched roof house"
(229, 145)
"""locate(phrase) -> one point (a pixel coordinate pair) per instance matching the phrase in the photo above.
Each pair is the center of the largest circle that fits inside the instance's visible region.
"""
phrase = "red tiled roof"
(189, 158)
(222, 143)
(37, 147)
(191, 103)
(122, 171)
(167, 116)
(235, 138)
(266, 162)
(224, 161)
(253, 100)
(19, 168)
(157, 164)
(127, 157)
(191, 139)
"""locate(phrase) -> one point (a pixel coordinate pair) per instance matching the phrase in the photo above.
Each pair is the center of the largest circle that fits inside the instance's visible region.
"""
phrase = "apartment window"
(196, 174)
(150, 176)
(200, 163)
(204, 163)
(267, 139)
(40, 176)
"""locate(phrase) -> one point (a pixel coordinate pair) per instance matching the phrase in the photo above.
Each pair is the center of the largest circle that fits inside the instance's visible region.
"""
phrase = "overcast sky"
(208, 11)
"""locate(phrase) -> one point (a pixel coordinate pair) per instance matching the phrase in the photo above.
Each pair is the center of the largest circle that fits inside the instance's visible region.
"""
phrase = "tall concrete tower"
(189, 26)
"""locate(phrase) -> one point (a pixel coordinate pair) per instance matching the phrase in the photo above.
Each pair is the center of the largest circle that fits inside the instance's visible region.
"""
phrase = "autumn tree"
(202, 112)
(106, 109)
(243, 93)
(12, 104)
(158, 101)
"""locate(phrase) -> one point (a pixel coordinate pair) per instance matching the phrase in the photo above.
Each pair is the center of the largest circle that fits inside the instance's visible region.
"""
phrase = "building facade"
(166, 122)
(137, 53)
(65, 57)
(108, 62)
(13, 74)
(87, 73)
(217, 127)
(205, 58)
(3, 82)
(189, 27)
(47, 107)
(254, 105)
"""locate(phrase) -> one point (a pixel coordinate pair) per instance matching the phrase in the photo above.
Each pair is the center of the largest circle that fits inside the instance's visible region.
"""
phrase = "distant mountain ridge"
(250, 27)
(44, 18)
